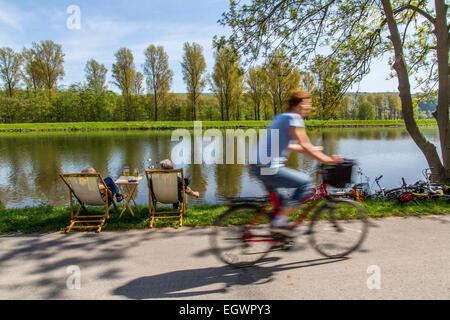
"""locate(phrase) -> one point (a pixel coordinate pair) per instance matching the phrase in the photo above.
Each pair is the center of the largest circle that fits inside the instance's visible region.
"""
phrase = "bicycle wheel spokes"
(241, 238)
(338, 228)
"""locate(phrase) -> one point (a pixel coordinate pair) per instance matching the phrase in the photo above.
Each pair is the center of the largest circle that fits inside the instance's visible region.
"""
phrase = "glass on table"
(126, 171)
(136, 173)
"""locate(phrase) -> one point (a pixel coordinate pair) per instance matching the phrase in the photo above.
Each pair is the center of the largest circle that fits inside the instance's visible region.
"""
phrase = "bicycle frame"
(316, 195)
(382, 190)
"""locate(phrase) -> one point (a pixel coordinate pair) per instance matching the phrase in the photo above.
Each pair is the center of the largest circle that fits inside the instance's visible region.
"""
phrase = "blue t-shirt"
(273, 153)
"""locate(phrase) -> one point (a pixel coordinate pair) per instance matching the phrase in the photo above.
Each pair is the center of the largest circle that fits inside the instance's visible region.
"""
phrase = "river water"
(30, 162)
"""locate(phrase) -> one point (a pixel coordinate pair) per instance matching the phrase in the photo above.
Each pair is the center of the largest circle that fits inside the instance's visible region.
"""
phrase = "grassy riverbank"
(51, 219)
(170, 125)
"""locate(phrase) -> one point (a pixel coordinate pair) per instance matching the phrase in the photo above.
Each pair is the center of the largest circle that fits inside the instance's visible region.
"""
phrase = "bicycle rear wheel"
(241, 236)
(338, 227)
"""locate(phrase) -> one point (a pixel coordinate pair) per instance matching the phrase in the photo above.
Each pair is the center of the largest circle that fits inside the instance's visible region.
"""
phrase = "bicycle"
(242, 237)
(379, 194)
(420, 190)
(429, 190)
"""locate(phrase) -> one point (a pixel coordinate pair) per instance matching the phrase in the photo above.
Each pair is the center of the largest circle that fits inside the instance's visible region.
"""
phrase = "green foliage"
(124, 71)
(256, 81)
(327, 95)
(193, 69)
(46, 61)
(283, 77)
(10, 64)
(366, 111)
(159, 76)
(227, 81)
(96, 75)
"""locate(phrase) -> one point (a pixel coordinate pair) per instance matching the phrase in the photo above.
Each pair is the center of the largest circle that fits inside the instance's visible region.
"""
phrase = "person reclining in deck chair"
(109, 183)
(168, 165)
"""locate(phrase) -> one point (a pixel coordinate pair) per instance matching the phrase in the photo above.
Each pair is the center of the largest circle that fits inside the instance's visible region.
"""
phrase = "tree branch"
(418, 10)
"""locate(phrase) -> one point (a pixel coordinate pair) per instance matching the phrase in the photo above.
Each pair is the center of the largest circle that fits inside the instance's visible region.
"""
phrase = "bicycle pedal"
(286, 246)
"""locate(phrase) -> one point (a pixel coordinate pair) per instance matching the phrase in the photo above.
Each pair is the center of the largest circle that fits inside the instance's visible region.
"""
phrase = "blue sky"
(106, 26)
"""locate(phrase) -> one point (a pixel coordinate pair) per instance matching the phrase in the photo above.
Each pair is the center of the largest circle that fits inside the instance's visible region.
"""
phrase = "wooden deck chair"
(163, 188)
(85, 188)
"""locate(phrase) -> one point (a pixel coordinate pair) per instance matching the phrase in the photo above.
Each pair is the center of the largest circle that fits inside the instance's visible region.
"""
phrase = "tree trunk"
(194, 103)
(156, 107)
(258, 110)
(442, 110)
(427, 148)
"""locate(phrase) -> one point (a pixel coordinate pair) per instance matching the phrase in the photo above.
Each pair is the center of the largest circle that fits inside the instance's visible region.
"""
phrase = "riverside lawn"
(46, 218)
(171, 125)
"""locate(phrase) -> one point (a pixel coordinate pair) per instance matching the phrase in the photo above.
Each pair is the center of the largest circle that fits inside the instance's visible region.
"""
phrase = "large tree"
(10, 72)
(96, 75)
(283, 77)
(415, 32)
(159, 76)
(225, 80)
(46, 68)
(124, 74)
(138, 87)
(31, 73)
(124, 71)
(256, 81)
(327, 95)
(394, 105)
(307, 81)
(193, 69)
(345, 108)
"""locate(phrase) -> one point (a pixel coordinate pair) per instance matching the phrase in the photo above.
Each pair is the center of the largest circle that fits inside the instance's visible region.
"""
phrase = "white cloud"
(11, 17)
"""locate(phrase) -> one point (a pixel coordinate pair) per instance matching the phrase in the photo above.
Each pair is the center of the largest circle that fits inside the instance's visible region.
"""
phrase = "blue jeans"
(112, 186)
(286, 178)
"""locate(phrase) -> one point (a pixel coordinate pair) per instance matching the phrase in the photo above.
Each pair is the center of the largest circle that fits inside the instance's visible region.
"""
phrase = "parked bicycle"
(242, 235)
(420, 190)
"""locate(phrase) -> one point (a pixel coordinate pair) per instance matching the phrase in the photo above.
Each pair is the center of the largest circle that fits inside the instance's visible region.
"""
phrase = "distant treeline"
(80, 104)
(31, 93)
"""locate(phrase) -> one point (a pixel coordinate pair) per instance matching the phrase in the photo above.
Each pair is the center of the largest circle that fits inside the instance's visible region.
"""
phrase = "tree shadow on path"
(188, 283)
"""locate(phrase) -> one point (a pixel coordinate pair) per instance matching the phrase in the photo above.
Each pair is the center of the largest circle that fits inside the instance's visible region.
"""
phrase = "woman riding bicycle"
(292, 136)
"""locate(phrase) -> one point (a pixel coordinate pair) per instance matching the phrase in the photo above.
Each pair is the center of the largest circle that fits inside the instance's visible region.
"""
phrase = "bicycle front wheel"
(338, 227)
(241, 236)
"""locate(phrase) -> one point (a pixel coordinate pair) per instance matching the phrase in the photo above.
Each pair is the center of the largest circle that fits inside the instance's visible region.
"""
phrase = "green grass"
(170, 125)
(50, 219)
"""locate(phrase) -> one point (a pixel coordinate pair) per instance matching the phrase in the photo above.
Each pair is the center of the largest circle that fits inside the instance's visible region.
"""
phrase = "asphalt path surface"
(402, 258)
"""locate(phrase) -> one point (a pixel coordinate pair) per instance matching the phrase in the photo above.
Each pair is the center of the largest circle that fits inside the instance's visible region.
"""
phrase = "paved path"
(412, 256)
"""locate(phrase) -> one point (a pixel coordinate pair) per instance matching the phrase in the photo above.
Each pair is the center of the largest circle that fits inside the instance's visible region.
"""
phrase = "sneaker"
(288, 245)
(119, 197)
(280, 226)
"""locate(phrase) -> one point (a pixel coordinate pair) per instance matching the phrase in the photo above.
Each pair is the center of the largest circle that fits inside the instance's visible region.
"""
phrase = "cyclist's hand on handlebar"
(335, 159)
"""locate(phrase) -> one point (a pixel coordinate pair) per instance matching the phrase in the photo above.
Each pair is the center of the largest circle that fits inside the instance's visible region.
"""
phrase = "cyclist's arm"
(298, 148)
(303, 140)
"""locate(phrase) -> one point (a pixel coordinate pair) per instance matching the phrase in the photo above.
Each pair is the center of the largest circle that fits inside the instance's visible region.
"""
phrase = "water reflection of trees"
(198, 180)
(358, 133)
(229, 179)
(30, 164)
